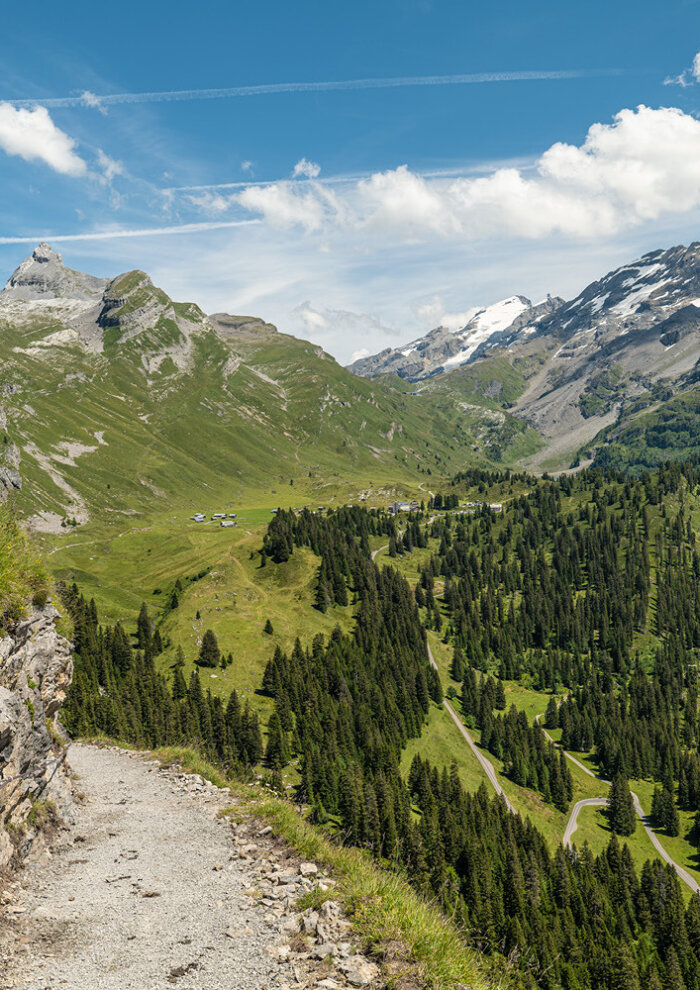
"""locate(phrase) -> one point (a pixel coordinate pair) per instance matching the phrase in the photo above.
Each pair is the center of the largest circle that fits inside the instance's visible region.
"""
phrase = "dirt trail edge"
(150, 889)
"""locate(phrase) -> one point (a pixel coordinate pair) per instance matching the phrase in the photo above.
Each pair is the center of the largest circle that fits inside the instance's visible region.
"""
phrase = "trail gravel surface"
(143, 893)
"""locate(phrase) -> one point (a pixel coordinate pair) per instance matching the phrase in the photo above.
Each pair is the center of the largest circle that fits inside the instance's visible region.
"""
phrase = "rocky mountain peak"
(44, 254)
(443, 349)
(43, 276)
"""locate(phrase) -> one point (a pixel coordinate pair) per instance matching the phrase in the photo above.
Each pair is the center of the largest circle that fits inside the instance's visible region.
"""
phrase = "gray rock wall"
(36, 669)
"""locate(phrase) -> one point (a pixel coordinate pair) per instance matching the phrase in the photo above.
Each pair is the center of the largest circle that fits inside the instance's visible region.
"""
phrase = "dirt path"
(486, 764)
(145, 893)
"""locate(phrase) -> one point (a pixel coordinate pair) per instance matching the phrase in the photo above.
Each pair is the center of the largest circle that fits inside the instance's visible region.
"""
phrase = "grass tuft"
(22, 576)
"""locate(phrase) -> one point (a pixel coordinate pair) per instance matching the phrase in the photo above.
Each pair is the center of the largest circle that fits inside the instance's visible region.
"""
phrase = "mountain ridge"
(154, 400)
(442, 349)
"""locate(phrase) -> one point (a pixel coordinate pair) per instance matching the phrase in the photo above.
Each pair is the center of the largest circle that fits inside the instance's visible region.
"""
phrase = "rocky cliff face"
(9, 468)
(35, 672)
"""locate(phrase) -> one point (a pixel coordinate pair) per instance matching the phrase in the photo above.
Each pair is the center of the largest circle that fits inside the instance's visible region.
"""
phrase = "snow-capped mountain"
(625, 342)
(629, 300)
(443, 349)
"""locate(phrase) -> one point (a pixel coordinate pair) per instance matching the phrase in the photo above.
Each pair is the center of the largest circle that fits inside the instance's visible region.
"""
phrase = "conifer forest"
(585, 588)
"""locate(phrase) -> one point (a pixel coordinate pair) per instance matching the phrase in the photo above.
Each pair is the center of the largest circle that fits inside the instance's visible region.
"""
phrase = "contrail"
(103, 235)
(88, 99)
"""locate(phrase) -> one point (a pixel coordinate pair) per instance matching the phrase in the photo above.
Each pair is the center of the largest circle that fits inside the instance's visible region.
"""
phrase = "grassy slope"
(235, 599)
(254, 409)
(646, 437)
(21, 572)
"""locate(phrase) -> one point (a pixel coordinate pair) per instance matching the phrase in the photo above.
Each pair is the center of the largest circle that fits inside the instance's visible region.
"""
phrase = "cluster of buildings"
(397, 507)
(223, 518)
(471, 507)
(493, 506)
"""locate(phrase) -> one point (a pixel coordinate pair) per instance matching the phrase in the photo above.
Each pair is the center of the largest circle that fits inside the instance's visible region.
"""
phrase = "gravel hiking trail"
(143, 892)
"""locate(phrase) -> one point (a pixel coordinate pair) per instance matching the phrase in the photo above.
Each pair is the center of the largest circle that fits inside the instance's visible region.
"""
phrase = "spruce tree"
(624, 974)
(551, 716)
(621, 814)
(144, 629)
(277, 750)
(209, 651)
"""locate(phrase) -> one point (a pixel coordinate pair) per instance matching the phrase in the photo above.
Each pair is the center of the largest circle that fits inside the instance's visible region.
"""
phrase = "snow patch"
(485, 323)
(631, 302)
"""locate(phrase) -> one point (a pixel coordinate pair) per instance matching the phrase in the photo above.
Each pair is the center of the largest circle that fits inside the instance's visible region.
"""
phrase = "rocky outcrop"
(10, 478)
(35, 672)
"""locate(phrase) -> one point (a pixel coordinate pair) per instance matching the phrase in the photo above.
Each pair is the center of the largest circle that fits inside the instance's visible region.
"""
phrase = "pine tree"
(551, 716)
(673, 980)
(144, 629)
(621, 814)
(624, 974)
(268, 628)
(277, 751)
(209, 651)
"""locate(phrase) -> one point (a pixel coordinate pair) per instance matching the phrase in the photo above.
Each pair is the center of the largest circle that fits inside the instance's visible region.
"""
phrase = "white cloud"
(404, 202)
(306, 169)
(642, 166)
(434, 313)
(312, 319)
(247, 166)
(93, 101)
(32, 135)
(338, 324)
(210, 202)
(688, 77)
(110, 167)
(282, 205)
(681, 80)
(119, 233)
(358, 355)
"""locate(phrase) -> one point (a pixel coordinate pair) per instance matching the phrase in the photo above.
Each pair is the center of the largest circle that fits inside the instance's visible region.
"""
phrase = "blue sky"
(358, 217)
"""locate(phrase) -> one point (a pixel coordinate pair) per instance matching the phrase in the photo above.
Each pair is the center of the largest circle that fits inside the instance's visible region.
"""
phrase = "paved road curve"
(571, 825)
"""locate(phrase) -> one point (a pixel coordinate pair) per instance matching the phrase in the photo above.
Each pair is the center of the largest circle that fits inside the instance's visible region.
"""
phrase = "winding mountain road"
(572, 823)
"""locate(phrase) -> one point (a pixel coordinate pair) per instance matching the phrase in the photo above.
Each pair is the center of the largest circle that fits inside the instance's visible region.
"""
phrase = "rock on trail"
(148, 890)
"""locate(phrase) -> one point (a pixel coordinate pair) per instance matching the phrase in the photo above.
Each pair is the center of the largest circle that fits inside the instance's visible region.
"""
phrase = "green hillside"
(170, 411)
(651, 432)
(22, 574)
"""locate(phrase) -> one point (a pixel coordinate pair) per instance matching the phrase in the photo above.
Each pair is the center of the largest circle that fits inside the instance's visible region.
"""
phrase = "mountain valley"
(390, 668)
